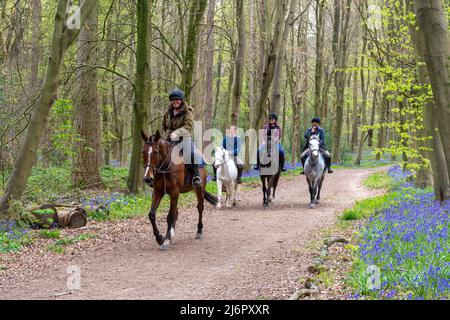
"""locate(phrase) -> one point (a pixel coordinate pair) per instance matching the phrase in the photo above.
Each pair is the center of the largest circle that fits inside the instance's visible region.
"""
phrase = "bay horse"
(269, 175)
(315, 170)
(169, 176)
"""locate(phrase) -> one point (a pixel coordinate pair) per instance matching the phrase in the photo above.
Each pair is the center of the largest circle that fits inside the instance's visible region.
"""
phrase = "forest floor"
(246, 253)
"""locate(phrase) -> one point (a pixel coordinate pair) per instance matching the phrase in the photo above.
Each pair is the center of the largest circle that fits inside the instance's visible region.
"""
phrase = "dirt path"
(246, 253)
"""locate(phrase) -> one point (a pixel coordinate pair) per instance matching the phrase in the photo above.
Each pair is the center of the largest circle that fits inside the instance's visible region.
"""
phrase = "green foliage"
(50, 234)
(14, 240)
(64, 134)
(365, 208)
(379, 180)
(394, 63)
(59, 245)
(44, 211)
(47, 184)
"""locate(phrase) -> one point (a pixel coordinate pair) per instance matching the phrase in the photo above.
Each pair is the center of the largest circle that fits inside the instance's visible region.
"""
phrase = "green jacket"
(182, 124)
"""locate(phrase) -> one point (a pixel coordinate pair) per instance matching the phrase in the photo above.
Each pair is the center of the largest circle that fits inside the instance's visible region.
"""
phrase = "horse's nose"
(148, 180)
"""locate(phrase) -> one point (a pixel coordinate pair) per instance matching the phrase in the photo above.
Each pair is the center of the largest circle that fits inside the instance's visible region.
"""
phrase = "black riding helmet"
(273, 116)
(176, 94)
(317, 120)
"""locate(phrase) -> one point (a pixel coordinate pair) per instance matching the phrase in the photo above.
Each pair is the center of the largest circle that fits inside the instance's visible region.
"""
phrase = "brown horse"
(166, 171)
(269, 176)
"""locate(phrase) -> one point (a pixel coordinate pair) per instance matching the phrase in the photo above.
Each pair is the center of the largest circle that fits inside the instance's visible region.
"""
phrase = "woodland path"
(246, 252)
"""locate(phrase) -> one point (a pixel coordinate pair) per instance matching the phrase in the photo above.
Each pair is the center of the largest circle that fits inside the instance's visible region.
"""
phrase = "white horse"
(315, 170)
(227, 174)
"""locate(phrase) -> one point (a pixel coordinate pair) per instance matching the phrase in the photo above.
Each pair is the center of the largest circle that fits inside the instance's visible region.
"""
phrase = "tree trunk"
(239, 65)
(63, 37)
(270, 61)
(277, 77)
(440, 172)
(87, 147)
(320, 36)
(433, 26)
(209, 67)
(196, 12)
(35, 57)
(340, 45)
(139, 106)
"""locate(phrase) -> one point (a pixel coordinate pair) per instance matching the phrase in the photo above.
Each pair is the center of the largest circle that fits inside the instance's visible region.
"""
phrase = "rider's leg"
(282, 157)
(215, 173)
(189, 158)
(257, 160)
(327, 159)
(303, 158)
(240, 167)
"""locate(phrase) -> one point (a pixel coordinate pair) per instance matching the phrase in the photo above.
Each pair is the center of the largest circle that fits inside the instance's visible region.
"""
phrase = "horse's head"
(222, 157)
(153, 153)
(314, 145)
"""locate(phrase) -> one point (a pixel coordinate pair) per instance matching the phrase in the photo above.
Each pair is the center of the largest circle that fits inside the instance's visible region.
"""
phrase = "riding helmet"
(273, 116)
(315, 120)
(176, 94)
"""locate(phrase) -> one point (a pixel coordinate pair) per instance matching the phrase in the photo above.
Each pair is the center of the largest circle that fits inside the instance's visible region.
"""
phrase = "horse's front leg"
(156, 200)
(320, 188)
(200, 207)
(230, 188)
(171, 220)
(219, 193)
(264, 189)
(235, 191)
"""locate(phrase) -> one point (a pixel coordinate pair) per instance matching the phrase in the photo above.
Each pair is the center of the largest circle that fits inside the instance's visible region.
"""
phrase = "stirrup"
(330, 170)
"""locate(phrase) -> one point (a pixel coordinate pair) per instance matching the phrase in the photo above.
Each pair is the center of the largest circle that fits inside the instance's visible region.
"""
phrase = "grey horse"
(315, 170)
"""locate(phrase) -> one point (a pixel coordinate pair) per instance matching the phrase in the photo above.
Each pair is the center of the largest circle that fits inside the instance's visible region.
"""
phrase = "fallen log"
(72, 218)
(303, 293)
(46, 215)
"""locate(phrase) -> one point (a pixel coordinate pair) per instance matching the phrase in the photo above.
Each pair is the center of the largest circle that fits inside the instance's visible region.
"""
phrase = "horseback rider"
(232, 143)
(178, 123)
(272, 134)
(319, 131)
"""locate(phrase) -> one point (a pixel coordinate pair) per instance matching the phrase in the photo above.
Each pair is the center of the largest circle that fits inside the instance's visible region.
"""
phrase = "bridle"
(162, 169)
(224, 160)
(311, 162)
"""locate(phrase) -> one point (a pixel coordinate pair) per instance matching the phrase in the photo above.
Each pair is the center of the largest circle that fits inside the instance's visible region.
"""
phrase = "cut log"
(45, 220)
(72, 218)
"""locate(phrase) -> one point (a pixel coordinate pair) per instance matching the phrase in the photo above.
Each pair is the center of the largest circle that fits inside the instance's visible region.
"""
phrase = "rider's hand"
(173, 136)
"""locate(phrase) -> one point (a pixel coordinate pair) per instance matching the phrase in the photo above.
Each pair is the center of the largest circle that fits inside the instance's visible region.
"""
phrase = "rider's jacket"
(319, 132)
(182, 123)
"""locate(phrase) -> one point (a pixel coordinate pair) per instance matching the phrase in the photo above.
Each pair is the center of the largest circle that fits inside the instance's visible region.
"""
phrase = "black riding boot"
(215, 173)
(196, 179)
(303, 160)
(328, 163)
(240, 170)
(282, 161)
(256, 167)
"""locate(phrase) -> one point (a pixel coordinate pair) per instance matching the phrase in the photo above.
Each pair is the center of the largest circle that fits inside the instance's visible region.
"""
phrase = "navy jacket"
(232, 144)
(319, 132)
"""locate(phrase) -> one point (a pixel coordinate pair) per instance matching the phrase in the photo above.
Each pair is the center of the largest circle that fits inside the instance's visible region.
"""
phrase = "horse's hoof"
(312, 206)
(265, 205)
(219, 206)
(199, 236)
(234, 204)
(165, 246)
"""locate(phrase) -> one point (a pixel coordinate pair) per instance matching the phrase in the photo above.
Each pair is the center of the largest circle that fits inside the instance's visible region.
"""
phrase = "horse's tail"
(212, 199)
